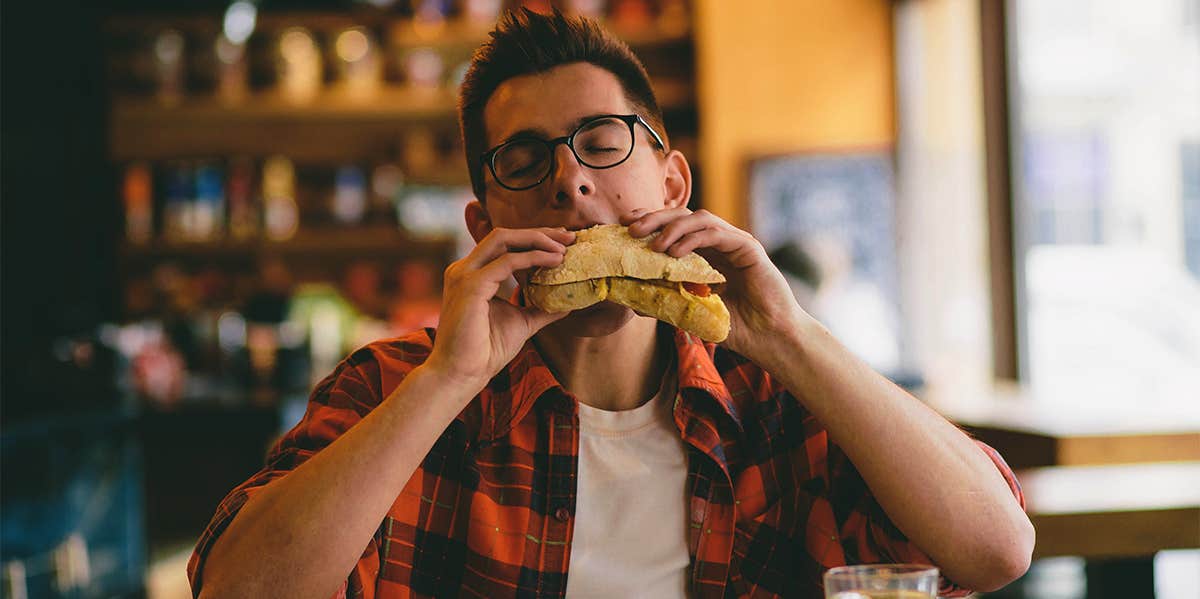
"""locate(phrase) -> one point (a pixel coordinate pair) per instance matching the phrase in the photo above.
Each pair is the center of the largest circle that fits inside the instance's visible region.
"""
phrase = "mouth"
(584, 225)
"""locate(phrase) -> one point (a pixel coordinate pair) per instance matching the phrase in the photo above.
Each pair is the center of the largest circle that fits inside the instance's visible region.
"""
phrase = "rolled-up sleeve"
(869, 536)
(337, 403)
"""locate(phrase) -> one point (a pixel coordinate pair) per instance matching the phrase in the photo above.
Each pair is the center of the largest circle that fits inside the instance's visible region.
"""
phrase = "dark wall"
(57, 207)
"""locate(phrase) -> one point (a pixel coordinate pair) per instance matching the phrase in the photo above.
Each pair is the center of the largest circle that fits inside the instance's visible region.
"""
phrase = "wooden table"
(1116, 517)
(1107, 512)
(1113, 485)
(1032, 434)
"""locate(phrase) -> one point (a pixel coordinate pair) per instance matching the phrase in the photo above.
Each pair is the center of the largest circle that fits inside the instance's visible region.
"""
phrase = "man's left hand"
(761, 304)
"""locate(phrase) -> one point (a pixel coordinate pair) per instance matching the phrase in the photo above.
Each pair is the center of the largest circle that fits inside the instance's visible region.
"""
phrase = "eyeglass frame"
(632, 120)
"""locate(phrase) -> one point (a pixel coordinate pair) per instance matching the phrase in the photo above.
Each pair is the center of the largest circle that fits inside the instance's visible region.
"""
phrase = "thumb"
(538, 318)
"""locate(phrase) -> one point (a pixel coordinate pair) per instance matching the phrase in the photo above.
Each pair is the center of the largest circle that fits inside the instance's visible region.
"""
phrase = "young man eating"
(513, 452)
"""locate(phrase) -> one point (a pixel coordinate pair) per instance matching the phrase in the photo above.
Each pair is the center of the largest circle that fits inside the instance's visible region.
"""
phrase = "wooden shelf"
(334, 127)
(455, 36)
(373, 241)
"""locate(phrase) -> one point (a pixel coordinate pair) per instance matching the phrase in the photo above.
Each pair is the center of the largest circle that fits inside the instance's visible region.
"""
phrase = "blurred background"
(207, 204)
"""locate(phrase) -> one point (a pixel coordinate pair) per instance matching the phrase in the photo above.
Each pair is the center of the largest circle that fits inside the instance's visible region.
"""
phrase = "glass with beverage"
(882, 581)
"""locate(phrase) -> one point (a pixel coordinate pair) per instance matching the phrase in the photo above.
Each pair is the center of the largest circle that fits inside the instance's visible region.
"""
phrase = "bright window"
(1106, 142)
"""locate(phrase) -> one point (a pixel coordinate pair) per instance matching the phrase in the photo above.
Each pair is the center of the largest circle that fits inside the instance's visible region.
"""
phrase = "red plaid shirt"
(489, 512)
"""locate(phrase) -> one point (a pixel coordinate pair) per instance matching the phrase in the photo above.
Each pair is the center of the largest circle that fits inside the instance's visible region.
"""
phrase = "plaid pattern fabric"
(489, 511)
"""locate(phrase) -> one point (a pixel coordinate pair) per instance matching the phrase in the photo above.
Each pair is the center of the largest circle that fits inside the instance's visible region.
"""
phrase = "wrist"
(437, 381)
(791, 345)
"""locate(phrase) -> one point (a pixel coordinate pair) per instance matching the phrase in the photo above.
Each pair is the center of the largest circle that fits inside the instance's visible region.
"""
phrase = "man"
(513, 452)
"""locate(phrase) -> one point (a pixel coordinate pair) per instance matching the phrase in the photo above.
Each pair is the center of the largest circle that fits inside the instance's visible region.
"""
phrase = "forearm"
(302, 534)
(933, 481)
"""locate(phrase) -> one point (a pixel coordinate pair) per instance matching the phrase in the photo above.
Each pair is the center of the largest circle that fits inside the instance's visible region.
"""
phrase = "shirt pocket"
(769, 557)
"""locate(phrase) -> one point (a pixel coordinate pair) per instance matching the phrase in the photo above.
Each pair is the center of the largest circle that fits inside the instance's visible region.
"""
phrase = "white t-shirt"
(630, 518)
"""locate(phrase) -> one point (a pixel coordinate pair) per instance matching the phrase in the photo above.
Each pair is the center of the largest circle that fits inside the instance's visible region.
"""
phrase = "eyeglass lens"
(599, 144)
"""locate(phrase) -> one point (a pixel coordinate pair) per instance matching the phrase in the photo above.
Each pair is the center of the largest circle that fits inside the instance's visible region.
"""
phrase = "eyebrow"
(541, 133)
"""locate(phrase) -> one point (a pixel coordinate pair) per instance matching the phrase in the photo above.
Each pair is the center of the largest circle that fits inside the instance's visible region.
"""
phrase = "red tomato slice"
(699, 289)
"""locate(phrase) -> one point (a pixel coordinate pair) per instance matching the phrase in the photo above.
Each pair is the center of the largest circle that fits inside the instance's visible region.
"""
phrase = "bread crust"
(568, 296)
(606, 264)
(706, 317)
(609, 251)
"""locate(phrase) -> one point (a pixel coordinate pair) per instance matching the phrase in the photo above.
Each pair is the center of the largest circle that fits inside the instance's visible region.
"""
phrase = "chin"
(597, 320)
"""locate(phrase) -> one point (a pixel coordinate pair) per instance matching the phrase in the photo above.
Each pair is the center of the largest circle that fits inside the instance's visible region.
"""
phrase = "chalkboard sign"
(828, 221)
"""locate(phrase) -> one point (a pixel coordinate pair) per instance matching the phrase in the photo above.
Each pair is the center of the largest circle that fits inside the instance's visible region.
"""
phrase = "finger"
(502, 241)
(653, 221)
(505, 266)
(703, 238)
(538, 318)
(559, 234)
(681, 226)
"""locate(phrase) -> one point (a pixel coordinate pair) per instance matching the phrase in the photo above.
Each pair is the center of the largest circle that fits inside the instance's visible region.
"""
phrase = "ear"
(677, 185)
(478, 221)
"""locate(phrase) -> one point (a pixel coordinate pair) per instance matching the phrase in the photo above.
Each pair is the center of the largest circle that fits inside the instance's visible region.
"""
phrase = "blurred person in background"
(820, 273)
(511, 452)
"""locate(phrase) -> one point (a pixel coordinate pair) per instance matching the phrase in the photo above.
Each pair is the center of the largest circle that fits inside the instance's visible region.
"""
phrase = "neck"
(618, 371)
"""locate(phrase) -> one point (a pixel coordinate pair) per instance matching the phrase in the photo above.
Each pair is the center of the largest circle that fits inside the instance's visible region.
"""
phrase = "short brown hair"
(525, 43)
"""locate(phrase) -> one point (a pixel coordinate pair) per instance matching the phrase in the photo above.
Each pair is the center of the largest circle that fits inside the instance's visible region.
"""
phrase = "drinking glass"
(882, 581)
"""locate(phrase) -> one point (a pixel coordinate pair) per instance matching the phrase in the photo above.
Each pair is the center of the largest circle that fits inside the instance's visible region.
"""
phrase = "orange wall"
(788, 75)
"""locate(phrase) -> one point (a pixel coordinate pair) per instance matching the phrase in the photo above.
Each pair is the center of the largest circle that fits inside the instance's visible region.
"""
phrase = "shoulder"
(753, 389)
(410, 349)
(738, 372)
(381, 365)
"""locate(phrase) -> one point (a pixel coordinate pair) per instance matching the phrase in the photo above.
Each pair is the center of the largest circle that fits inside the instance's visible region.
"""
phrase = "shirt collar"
(512, 393)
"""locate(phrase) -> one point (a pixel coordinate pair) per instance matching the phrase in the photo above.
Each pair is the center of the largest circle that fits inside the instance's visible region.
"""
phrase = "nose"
(570, 181)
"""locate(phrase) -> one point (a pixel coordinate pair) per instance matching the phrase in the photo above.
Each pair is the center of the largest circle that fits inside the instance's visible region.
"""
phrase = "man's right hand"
(478, 333)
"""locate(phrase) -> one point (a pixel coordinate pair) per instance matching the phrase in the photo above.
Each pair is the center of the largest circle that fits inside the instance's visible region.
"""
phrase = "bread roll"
(609, 251)
(606, 264)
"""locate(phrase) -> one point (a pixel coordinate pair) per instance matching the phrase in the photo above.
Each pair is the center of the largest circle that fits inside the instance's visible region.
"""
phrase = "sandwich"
(606, 264)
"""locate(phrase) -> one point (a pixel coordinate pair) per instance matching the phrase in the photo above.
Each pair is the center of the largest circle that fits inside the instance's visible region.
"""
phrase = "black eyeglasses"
(600, 143)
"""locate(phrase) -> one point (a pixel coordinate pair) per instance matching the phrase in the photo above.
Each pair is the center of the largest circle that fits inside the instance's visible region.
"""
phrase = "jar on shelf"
(359, 63)
(299, 66)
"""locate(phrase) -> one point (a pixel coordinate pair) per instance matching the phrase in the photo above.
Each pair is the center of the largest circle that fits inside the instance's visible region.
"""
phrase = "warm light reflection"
(300, 68)
(352, 45)
(297, 45)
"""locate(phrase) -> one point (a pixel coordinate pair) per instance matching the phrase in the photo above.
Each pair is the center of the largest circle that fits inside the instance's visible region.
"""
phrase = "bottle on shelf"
(169, 71)
(208, 207)
(281, 213)
(243, 205)
(349, 203)
(177, 201)
(360, 66)
(299, 65)
(137, 195)
(387, 183)
(232, 83)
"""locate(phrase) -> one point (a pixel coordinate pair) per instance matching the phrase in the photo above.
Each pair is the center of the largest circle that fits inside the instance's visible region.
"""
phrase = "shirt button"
(562, 514)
